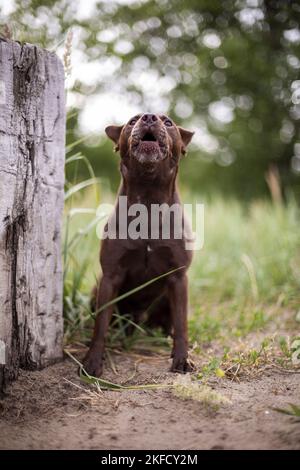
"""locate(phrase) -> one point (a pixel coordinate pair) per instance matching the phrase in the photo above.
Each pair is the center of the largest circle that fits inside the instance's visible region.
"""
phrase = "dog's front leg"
(178, 297)
(107, 291)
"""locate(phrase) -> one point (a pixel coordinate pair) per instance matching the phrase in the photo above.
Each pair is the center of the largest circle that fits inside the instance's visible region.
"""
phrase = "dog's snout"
(148, 118)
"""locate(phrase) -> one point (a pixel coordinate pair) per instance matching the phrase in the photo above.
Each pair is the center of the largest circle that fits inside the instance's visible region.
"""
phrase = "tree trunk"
(32, 144)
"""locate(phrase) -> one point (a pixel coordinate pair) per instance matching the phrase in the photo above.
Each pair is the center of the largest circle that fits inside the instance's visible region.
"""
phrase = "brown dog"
(150, 148)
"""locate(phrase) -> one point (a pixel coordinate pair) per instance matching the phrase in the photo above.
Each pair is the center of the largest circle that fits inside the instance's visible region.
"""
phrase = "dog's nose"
(149, 118)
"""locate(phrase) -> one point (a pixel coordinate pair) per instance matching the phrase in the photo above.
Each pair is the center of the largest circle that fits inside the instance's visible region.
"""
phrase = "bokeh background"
(227, 69)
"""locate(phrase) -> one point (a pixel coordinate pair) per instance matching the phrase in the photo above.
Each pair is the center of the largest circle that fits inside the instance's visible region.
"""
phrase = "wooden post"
(32, 152)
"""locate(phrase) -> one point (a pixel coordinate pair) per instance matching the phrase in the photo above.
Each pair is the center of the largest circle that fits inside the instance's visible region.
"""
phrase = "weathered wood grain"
(32, 144)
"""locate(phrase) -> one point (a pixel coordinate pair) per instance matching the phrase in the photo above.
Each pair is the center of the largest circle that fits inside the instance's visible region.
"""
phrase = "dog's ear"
(114, 132)
(186, 137)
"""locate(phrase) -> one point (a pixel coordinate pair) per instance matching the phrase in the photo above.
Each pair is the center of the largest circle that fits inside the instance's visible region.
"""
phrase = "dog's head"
(149, 139)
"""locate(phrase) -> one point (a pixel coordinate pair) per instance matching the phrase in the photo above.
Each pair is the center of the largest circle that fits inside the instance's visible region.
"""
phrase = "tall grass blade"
(79, 157)
(136, 289)
(78, 141)
(107, 385)
(80, 186)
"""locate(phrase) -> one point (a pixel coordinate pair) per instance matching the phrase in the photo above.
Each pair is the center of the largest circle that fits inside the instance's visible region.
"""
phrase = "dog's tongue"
(147, 152)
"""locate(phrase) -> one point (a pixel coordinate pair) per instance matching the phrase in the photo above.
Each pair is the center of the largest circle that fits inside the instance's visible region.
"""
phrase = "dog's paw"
(92, 365)
(182, 365)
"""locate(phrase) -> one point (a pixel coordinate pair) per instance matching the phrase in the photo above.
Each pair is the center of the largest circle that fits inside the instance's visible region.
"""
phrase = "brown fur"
(149, 168)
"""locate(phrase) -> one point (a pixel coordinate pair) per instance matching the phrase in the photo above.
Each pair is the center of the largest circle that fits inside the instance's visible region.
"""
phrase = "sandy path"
(44, 411)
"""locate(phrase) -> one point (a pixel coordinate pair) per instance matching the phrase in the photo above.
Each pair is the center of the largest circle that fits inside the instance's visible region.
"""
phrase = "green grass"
(250, 254)
(248, 271)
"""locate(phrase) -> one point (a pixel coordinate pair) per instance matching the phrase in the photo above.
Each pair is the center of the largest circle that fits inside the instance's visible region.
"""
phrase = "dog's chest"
(148, 259)
(155, 254)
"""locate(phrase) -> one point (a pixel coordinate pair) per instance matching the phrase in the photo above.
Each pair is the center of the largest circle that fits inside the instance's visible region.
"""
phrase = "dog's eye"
(168, 123)
(132, 122)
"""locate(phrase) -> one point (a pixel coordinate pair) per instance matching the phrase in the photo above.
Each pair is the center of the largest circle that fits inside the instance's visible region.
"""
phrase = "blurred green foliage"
(228, 69)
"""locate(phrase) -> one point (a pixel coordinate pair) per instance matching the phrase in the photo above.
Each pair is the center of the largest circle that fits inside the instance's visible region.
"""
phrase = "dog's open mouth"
(147, 147)
(148, 137)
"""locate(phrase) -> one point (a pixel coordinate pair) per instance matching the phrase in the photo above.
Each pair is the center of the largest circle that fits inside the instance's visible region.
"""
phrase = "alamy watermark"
(153, 222)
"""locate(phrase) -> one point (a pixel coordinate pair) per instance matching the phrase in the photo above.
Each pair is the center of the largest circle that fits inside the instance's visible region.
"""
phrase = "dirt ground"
(46, 410)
